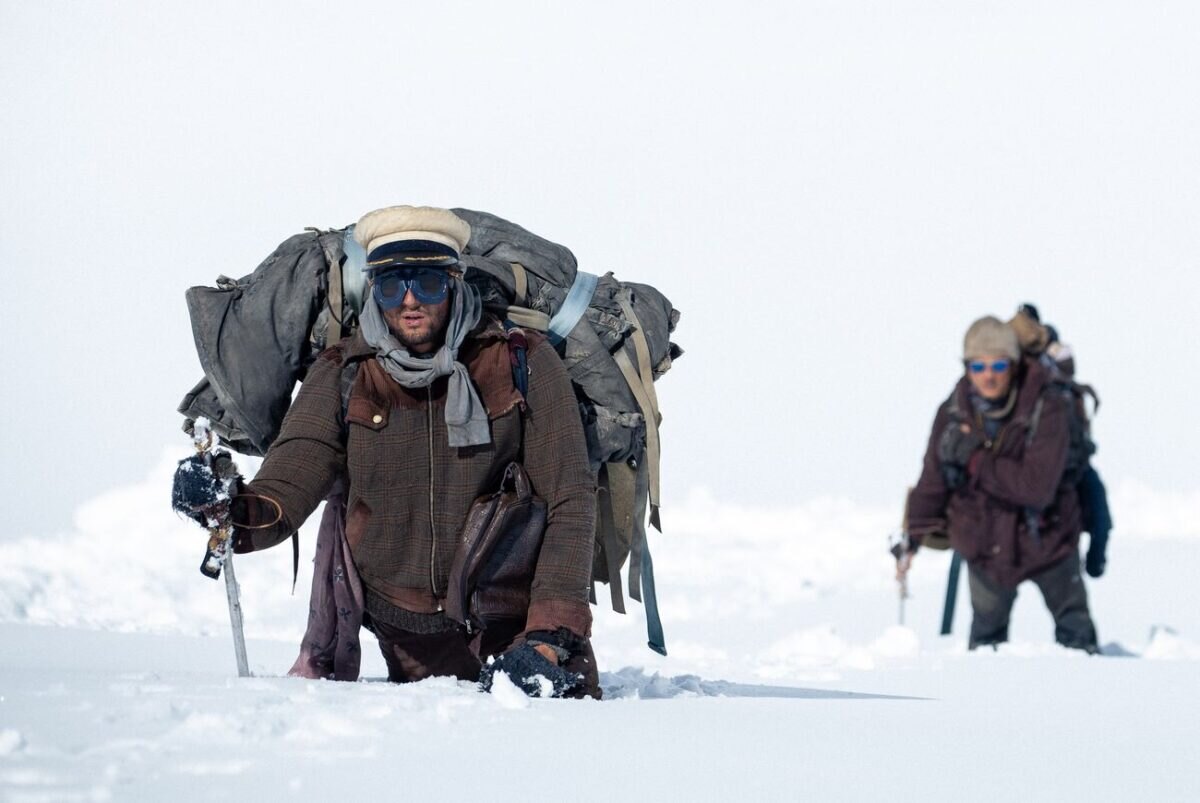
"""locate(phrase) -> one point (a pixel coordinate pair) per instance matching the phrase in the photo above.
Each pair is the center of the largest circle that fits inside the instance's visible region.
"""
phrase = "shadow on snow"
(633, 682)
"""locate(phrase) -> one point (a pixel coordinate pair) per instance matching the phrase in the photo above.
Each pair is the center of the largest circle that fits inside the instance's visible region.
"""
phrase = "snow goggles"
(428, 286)
(997, 366)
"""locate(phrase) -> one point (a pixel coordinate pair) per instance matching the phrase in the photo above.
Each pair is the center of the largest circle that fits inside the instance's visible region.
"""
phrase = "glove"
(1096, 559)
(954, 451)
(562, 642)
(530, 672)
(902, 547)
(202, 486)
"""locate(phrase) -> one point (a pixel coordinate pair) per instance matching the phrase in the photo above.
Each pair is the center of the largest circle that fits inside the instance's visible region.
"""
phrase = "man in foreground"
(419, 414)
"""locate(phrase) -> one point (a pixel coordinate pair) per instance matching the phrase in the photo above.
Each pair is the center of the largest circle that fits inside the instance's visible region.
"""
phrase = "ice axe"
(219, 554)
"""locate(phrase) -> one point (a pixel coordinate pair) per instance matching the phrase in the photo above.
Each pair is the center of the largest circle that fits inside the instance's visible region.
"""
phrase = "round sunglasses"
(428, 286)
(997, 366)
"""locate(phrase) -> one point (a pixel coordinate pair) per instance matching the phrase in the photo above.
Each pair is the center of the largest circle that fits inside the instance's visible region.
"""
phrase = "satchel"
(494, 563)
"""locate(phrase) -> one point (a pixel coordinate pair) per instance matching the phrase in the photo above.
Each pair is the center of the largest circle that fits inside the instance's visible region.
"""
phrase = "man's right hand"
(958, 443)
(903, 550)
(955, 448)
(203, 486)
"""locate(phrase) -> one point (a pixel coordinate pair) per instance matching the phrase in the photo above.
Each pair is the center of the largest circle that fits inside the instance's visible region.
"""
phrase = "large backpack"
(256, 337)
(1041, 342)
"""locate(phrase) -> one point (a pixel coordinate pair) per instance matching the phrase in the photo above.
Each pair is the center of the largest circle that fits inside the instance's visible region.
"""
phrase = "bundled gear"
(258, 335)
(1041, 341)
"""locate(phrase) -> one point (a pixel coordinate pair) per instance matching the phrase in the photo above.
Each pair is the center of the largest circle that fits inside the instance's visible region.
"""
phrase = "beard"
(419, 328)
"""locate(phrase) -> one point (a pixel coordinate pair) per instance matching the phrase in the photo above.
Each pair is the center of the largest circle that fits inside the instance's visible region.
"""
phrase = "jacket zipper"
(432, 526)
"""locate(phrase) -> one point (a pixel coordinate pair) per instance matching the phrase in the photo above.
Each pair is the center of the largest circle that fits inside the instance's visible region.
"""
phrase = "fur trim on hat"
(991, 337)
(394, 223)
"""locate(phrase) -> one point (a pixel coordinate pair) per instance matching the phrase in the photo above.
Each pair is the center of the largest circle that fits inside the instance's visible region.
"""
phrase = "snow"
(787, 677)
(899, 169)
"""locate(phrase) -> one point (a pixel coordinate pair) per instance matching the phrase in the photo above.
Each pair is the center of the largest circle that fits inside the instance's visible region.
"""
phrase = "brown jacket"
(409, 491)
(987, 518)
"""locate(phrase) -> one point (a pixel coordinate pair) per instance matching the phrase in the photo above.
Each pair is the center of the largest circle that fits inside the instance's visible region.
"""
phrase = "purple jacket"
(1016, 476)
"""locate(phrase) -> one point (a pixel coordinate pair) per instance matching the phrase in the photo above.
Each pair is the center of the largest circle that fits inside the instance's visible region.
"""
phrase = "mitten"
(1096, 558)
(530, 672)
(203, 484)
(954, 452)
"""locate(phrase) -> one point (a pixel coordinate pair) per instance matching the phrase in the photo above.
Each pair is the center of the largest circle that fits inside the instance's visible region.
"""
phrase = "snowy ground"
(787, 679)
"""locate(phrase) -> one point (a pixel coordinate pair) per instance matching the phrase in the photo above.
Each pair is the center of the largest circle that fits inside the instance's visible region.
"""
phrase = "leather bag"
(494, 563)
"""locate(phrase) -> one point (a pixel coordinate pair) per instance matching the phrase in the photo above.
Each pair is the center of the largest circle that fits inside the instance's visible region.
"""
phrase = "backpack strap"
(518, 356)
(1035, 419)
(520, 283)
(952, 407)
(641, 383)
(334, 296)
(519, 314)
(1087, 390)
(609, 538)
(295, 559)
(572, 309)
(345, 385)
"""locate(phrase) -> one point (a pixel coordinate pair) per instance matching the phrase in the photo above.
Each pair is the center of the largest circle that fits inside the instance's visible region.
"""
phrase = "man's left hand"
(531, 672)
(547, 652)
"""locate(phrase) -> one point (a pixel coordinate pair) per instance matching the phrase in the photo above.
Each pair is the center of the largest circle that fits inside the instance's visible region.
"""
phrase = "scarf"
(466, 418)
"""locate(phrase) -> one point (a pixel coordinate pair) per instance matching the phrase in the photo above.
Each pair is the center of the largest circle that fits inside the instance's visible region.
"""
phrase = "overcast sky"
(830, 192)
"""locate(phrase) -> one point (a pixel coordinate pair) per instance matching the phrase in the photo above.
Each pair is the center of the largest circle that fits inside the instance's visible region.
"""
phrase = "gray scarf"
(466, 418)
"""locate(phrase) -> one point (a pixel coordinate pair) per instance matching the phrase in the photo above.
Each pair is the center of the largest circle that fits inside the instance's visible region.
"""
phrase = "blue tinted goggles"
(979, 366)
(428, 286)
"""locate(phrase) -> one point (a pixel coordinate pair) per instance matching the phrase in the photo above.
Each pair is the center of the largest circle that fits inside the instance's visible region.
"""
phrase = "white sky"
(830, 192)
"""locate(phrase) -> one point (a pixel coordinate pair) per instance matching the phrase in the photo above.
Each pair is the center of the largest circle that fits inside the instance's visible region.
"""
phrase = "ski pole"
(220, 551)
(951, 593)
(899, 549)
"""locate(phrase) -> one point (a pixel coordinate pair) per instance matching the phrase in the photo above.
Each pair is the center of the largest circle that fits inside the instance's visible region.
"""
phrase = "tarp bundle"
(257, 335)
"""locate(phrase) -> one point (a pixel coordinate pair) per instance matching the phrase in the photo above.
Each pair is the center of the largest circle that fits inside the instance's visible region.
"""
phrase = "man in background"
(999, 477)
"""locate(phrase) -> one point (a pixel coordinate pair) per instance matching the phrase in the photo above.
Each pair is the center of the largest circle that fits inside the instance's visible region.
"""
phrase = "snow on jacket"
(986, 519)
(409, 491)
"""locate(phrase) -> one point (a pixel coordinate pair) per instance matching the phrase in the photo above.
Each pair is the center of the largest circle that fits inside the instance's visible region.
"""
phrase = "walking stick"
(903, 560)
(220, 551)
(899, 547)
(951, 593)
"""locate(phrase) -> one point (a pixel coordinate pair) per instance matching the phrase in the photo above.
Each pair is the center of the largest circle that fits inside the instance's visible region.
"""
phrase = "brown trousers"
(415, 656)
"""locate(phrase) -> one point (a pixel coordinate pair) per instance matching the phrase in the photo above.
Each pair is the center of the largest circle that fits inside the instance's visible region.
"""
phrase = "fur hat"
(989, 336)
(412, 235)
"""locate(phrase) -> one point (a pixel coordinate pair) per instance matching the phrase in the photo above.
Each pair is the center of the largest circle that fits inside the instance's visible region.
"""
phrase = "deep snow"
(787, 678)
